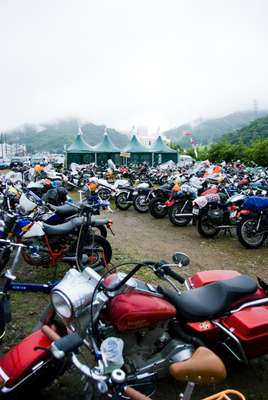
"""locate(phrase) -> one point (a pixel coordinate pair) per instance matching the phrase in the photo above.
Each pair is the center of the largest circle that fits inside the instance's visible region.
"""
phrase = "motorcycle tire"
(104, 194)
(98, 250)
(206, 228)
(247, 239)
(176, 209)
(121, 201)
(101, 230)
(138, 203)
(163, 180)
(155, 210)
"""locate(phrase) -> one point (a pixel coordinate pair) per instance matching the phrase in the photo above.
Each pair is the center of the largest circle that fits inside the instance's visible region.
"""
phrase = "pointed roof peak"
(79, 145)
(159, 146)
(135, 146)
(106, 145)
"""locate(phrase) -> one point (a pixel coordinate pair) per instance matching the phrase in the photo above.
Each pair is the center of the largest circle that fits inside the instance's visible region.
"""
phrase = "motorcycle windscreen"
(25, 204)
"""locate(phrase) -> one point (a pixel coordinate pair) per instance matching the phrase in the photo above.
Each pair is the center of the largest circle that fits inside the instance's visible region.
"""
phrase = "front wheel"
(121, 201)
(140, 203)
(179, 209)
(157, 207)
(206, 228)
(248, 235)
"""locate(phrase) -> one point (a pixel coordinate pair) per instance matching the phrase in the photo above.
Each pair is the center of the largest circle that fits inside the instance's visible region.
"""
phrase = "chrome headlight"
(62, 305)
(73, 294)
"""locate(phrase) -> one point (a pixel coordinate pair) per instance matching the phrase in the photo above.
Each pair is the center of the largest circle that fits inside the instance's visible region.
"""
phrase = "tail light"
(243, 212)
(233, 207)
(169, 203)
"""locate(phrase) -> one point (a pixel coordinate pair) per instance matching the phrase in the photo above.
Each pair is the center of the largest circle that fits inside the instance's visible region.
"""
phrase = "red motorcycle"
(221, 308)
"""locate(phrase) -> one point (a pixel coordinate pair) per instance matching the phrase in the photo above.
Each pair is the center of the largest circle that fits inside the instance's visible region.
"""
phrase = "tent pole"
(152, 159)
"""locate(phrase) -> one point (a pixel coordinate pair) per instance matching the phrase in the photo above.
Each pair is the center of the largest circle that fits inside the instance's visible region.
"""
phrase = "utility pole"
(2, 156)
(5, 141)
(255, 108)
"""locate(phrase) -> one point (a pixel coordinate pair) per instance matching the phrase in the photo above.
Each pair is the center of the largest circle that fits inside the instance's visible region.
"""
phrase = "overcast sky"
(131, 62)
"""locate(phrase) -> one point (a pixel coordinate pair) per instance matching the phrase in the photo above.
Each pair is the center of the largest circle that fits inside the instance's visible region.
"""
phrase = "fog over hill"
(210, 130)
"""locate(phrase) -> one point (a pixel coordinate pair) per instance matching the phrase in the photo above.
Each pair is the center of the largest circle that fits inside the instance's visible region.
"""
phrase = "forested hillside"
(53, 136)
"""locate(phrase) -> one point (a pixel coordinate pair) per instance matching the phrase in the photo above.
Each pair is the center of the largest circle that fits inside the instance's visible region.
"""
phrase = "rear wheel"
(101, 229)
(156, 207)
(206, 228)
(178, 208)
(104, 194)
(247, 234)
(98, 250)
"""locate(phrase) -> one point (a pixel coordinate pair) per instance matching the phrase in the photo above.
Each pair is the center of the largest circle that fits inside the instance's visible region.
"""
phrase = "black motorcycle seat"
(71, 225)
(212, 300)
(99, 221)
(62, 229)
(65, 211)
(143, 190)
(123, 187)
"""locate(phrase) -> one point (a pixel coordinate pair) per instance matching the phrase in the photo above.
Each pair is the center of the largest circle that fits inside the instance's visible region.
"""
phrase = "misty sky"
(124, 62)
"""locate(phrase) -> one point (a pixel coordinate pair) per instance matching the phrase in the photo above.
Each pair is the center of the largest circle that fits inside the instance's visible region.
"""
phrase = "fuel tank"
(132, 311)
(22, 358)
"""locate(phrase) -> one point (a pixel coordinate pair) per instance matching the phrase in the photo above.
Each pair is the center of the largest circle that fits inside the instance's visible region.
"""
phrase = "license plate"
(195, 211)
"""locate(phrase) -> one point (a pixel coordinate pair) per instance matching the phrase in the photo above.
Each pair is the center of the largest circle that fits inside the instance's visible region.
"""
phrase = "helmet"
(62, 194)
(51, 196)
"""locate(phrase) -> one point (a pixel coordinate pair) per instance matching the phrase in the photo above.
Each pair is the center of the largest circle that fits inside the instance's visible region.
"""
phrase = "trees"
(257, 152)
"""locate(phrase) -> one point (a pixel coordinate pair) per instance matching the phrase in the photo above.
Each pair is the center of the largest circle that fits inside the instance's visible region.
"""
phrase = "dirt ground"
(137, 237)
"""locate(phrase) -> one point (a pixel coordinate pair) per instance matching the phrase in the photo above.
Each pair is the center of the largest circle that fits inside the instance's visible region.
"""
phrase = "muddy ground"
(137, 237)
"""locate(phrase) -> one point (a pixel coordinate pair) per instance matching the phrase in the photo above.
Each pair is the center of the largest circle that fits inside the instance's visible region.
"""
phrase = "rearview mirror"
(181, 259)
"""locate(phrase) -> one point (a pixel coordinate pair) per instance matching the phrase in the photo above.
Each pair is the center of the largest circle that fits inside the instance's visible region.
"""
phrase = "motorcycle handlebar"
(117, 286)
(66, 345)
(168, 271)
(13, 244)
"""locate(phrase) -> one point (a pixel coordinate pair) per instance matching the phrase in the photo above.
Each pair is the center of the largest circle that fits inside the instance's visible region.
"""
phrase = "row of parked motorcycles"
(224, 201)
(122, 333)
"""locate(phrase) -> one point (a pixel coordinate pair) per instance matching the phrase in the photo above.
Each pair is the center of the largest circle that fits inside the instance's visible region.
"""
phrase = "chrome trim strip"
(34, 369)
(3, 375)
(250, 304)
(235, 339)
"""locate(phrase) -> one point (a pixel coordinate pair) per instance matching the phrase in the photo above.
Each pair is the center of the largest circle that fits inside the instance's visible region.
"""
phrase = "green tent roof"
(80, 146)
(135, 146)
(106, 145)
(160, 147)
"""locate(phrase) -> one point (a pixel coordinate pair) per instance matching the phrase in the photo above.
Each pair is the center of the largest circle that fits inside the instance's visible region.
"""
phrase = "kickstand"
(187, 394)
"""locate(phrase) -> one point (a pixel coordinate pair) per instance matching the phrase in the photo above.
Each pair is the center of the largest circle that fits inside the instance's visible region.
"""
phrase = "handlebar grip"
(50, 333)
(175, 276)
(135, 395)
(68, 343)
